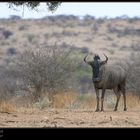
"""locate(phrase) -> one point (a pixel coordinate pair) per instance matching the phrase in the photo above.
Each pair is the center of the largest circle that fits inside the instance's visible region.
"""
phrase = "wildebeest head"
(96, 66)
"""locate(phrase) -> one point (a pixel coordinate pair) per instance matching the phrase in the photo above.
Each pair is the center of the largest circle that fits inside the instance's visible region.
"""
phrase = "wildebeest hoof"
(115, 109)
(102, 110)
(97, 110)
(125, 109)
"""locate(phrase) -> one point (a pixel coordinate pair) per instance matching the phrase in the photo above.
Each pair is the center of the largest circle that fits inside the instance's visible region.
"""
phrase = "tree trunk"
(37, 94)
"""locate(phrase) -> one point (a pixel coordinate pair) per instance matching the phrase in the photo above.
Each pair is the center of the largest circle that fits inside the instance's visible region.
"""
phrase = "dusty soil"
(69, 118)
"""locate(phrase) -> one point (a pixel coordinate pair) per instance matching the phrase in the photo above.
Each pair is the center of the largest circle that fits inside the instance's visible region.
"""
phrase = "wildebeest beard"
(96, 71)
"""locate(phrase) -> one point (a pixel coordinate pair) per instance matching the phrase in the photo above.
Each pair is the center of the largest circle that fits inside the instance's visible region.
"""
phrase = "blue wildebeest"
(107, 77)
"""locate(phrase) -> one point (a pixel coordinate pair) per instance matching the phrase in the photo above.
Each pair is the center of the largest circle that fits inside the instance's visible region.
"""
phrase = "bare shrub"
(62, 17)
(44, 70)
(89, 17)
(68, 33)
(83, 76)
(133, 20)
(30, 37)
(132, 66)
(109, 38)
(7, 34)
(15, 17)
(112, 29)
(95, 27)
(100, 20)
(129, 31)
(46, 35)
(114, 45)
(23, 27)
(85, 50)
(124, 47)
(134, 74)
(111, 51)
(135, 47)
(11, 51)
(7, 82)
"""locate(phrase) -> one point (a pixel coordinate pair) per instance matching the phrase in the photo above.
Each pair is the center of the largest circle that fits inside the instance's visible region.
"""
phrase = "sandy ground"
(69, 118)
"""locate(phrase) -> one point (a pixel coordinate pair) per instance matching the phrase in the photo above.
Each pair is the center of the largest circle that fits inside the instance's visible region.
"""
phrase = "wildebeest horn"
(106, 59)
(85, 57)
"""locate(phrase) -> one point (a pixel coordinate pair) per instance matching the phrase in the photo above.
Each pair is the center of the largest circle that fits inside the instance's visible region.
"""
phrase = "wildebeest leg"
(102, 100)
(124, 97)
(97, 99)
(122, 89)
(117, 93)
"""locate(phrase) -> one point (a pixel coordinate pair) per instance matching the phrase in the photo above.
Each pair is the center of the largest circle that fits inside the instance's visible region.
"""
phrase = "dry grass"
(132, 100)
(6, 106)
(72, 100)
(88, 101)
(62, 99)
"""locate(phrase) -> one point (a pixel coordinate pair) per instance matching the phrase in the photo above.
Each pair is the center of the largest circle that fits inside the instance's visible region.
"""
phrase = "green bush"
(30, 37)
(43, 103)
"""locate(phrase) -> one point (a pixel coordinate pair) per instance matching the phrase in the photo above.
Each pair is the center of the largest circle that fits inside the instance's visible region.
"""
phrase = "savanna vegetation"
(42, 59)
